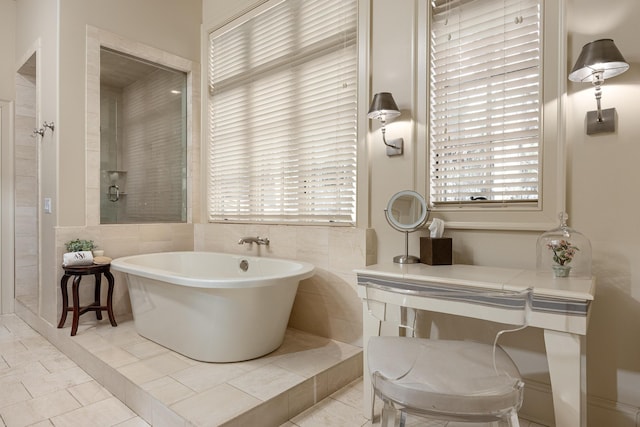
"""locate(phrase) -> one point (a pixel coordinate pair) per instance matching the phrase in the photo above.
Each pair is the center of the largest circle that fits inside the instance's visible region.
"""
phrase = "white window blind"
(282, 115)
(485, 104)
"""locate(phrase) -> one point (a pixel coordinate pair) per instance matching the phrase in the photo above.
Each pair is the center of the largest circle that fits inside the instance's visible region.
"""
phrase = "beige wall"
(602, 176)
(7, 48)
(216, 13)
(602, 184)
(7, 96)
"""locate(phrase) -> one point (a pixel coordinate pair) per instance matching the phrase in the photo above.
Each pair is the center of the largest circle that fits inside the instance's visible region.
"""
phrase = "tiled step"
(40, 386)
(167, 389)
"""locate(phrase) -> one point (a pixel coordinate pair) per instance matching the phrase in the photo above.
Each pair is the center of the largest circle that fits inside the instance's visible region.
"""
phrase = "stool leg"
(112, 318)
(65, 300)
(98, 277)
(76, 305)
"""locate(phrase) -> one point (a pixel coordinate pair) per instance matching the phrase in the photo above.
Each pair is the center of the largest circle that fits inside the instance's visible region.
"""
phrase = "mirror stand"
(406, 258)
(406, 212)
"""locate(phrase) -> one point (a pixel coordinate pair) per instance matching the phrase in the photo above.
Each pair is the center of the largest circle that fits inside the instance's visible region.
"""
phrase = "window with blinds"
(485, 102)
(282, 114)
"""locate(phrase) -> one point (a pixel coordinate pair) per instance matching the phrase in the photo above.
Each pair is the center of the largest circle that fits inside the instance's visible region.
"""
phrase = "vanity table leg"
(370, 328)
(567, 369)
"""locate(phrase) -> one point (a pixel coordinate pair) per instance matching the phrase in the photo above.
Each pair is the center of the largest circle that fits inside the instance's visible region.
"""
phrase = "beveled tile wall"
(26, 188)
(152, 150)
(97, 38)
(326, 304)
(118, 241)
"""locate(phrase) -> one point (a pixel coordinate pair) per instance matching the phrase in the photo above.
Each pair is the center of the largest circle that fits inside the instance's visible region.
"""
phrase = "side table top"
(86, 269)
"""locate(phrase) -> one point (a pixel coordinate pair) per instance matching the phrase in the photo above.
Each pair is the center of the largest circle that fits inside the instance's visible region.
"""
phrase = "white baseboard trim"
(604, 412)
(538, 408)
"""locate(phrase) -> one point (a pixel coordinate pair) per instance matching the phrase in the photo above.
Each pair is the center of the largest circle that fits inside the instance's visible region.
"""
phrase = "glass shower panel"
(143, 142)
(109, 157)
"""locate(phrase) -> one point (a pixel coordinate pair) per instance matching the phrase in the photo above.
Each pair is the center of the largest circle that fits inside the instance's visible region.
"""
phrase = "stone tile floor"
(41, 386)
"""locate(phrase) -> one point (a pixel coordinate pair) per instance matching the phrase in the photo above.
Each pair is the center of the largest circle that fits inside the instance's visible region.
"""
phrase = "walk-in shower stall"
(143, 141)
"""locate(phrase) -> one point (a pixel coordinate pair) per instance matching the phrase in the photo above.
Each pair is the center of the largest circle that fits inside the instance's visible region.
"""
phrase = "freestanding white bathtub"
(210, 306)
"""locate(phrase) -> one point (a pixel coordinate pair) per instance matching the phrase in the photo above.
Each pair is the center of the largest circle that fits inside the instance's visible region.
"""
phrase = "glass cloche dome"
(563, 252)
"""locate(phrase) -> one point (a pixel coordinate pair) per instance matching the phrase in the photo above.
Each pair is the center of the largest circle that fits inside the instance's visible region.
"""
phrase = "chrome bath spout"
(257, 240)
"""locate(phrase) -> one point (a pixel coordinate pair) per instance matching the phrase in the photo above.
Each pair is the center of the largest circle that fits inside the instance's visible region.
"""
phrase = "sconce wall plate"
(394, 147)
(606, 123)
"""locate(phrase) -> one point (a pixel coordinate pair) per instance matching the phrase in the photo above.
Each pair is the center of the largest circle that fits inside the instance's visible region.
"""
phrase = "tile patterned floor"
(146, 382)
(41, 386)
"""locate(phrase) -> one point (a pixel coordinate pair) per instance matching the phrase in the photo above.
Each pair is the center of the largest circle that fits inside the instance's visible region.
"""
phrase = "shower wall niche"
(143, 141)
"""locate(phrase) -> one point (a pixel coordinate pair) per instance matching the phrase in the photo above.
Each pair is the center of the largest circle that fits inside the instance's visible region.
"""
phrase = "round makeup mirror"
(406, 212)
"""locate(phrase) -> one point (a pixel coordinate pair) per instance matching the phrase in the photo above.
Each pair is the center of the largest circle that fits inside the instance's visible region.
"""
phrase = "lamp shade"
(383, 107)
(598, 56)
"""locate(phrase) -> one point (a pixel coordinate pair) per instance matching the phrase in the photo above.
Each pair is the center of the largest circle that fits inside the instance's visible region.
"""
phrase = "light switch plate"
(47, 205)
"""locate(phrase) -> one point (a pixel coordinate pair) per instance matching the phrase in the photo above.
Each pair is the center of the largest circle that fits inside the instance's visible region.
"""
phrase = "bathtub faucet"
(257, 240)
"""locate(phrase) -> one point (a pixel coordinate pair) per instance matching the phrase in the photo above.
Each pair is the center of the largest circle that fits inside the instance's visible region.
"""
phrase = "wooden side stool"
(77, 272)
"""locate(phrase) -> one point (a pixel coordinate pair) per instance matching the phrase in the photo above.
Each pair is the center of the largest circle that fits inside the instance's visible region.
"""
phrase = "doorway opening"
(26, 184)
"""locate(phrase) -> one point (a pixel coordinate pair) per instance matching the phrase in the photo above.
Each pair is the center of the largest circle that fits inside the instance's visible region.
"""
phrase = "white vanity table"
(561, 306)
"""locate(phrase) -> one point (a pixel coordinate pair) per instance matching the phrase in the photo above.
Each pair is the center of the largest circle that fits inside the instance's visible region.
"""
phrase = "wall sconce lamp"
(599, 60)
(383, 107)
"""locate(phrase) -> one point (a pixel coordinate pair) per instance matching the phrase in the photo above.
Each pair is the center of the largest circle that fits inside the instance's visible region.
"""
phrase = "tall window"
(486, 102)
(282, 114)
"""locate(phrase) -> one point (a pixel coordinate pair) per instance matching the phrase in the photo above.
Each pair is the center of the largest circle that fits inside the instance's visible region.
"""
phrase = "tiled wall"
(123, 240)
(154, 148)
(327, 303)
(26, 189)
(97, 38)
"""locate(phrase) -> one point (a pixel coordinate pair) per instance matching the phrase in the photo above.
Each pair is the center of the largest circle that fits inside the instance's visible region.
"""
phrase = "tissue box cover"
(436, 250)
